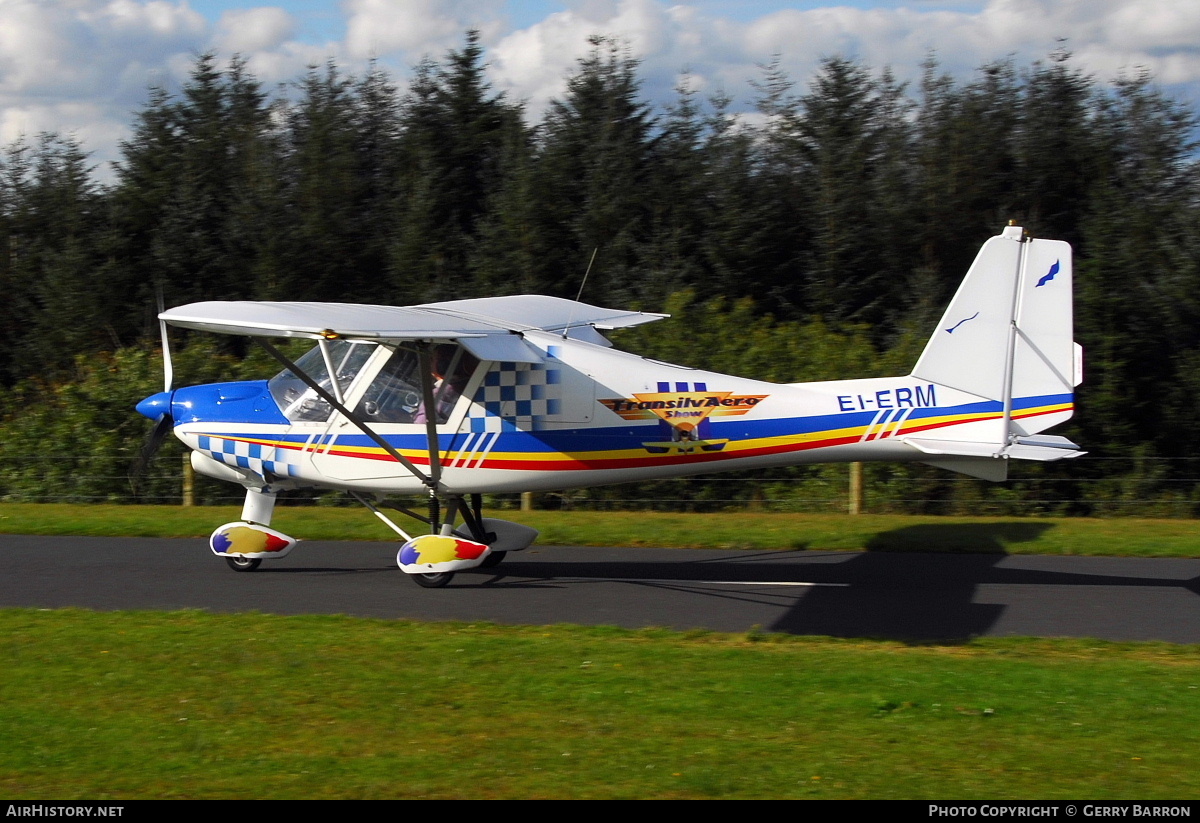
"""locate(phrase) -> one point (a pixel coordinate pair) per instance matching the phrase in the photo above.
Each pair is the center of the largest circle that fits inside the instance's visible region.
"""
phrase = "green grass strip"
(1072, 536)
(194, 705)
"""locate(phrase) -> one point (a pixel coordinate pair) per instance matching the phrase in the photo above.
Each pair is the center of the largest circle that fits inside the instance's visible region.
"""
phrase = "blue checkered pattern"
(517, 396)
(256, 457)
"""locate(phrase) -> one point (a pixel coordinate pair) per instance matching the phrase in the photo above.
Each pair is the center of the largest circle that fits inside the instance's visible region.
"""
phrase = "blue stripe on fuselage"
(619, 437)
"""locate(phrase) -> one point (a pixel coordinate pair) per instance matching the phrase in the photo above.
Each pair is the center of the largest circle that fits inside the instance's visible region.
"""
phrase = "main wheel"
(243, 564)
(492, 560)
(432, 581)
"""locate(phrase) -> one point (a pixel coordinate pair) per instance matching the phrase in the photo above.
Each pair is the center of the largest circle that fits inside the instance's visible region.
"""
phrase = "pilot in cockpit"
(396, 395)
(452, 367)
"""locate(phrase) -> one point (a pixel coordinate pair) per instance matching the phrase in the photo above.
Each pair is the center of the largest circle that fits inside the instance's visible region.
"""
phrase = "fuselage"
(586, 415)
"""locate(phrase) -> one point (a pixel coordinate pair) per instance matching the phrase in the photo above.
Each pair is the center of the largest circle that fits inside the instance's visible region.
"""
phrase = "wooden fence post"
(856, 488)
(189, 480)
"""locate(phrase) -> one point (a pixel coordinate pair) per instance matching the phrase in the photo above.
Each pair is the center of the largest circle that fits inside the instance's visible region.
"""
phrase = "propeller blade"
(168, 368)
(150, 447)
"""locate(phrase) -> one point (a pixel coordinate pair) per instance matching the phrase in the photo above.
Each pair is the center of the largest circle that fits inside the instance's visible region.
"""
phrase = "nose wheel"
(243, 564)
(432, 581)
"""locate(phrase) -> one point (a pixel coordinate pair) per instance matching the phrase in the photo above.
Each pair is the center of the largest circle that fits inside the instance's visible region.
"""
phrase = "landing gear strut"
(492, 560)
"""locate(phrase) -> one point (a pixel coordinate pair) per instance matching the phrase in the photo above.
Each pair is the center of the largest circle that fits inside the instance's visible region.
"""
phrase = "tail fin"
(1007, 337)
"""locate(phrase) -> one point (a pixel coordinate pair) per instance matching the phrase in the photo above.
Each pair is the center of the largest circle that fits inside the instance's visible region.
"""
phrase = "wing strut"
(431, 415)
(431, 482)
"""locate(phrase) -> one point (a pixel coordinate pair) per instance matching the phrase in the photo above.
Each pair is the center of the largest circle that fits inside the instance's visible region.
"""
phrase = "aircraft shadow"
(907, 595)
(922, 599)
(973, 538)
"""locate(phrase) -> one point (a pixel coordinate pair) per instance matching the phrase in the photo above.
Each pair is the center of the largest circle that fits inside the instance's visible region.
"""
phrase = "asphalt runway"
(911, 597)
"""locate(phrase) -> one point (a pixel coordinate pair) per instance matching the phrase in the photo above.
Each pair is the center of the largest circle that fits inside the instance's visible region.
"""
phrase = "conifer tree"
(186, 200)
(965, 171)
(672, 256)
(61, 295)
(1137, 310)
(329, 217)
(1056, 148)
(851, 127)
(594, 173)
(454, 136)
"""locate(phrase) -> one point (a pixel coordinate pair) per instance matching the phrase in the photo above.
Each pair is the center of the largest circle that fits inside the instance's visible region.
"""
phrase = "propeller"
(157, 407)
(150, 447)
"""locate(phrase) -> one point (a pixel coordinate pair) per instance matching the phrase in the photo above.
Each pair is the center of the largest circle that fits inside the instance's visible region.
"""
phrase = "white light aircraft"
(523, 393)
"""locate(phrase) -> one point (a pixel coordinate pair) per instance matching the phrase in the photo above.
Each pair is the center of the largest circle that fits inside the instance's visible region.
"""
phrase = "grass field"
(195, 705)
(192, 705)
(1075, 536)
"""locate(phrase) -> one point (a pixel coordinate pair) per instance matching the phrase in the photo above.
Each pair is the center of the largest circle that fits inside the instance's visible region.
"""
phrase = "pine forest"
(817, 234)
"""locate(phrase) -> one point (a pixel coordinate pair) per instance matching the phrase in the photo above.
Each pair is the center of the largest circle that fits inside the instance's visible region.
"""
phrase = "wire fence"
(1088, 486)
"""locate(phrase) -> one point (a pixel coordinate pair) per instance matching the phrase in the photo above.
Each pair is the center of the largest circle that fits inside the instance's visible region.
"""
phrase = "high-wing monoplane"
(454, 400)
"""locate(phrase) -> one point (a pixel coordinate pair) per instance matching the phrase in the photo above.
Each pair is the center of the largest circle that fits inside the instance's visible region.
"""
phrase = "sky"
(83, 67)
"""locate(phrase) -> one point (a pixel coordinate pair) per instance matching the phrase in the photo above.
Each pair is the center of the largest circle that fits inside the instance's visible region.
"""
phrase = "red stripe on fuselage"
(535, 464)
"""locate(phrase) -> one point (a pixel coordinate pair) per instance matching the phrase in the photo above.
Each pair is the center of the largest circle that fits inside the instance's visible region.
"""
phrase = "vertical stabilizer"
(968, 351)
(1007, 336)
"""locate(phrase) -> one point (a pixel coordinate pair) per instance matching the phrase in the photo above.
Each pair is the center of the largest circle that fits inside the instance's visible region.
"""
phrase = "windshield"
(298, 401)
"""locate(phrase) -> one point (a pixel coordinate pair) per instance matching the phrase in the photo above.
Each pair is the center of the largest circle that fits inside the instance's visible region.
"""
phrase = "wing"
(489, 327)
(521, 312)
(316, 320)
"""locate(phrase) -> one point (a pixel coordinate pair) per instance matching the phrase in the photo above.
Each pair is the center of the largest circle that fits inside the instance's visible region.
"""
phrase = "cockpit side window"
(297, 401)
(452, 367)
(395, 395)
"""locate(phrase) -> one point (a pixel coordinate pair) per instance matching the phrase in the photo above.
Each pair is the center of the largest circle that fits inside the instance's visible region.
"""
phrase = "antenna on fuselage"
(571, 316)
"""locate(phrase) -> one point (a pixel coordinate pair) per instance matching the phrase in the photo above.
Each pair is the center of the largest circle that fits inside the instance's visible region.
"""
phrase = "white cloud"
(1154, 27)
(265, 37)
(1106, 37)
(411, 29)
(254, 30)
(533, 64)
(83, 66)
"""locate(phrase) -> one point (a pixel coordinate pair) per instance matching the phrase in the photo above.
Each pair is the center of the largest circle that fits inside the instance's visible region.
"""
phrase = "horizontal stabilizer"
(958, 448)
(1044, 447)
(1051, 441)
(987, 460)
(1041, 447)
(1043, 453)
(985, 468)
(963, 456)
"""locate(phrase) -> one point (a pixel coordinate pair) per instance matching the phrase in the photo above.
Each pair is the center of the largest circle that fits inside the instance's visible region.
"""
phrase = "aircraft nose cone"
(156, 405)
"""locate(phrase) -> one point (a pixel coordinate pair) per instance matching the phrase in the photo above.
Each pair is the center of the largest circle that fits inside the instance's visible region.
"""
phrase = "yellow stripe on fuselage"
(813, 439)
